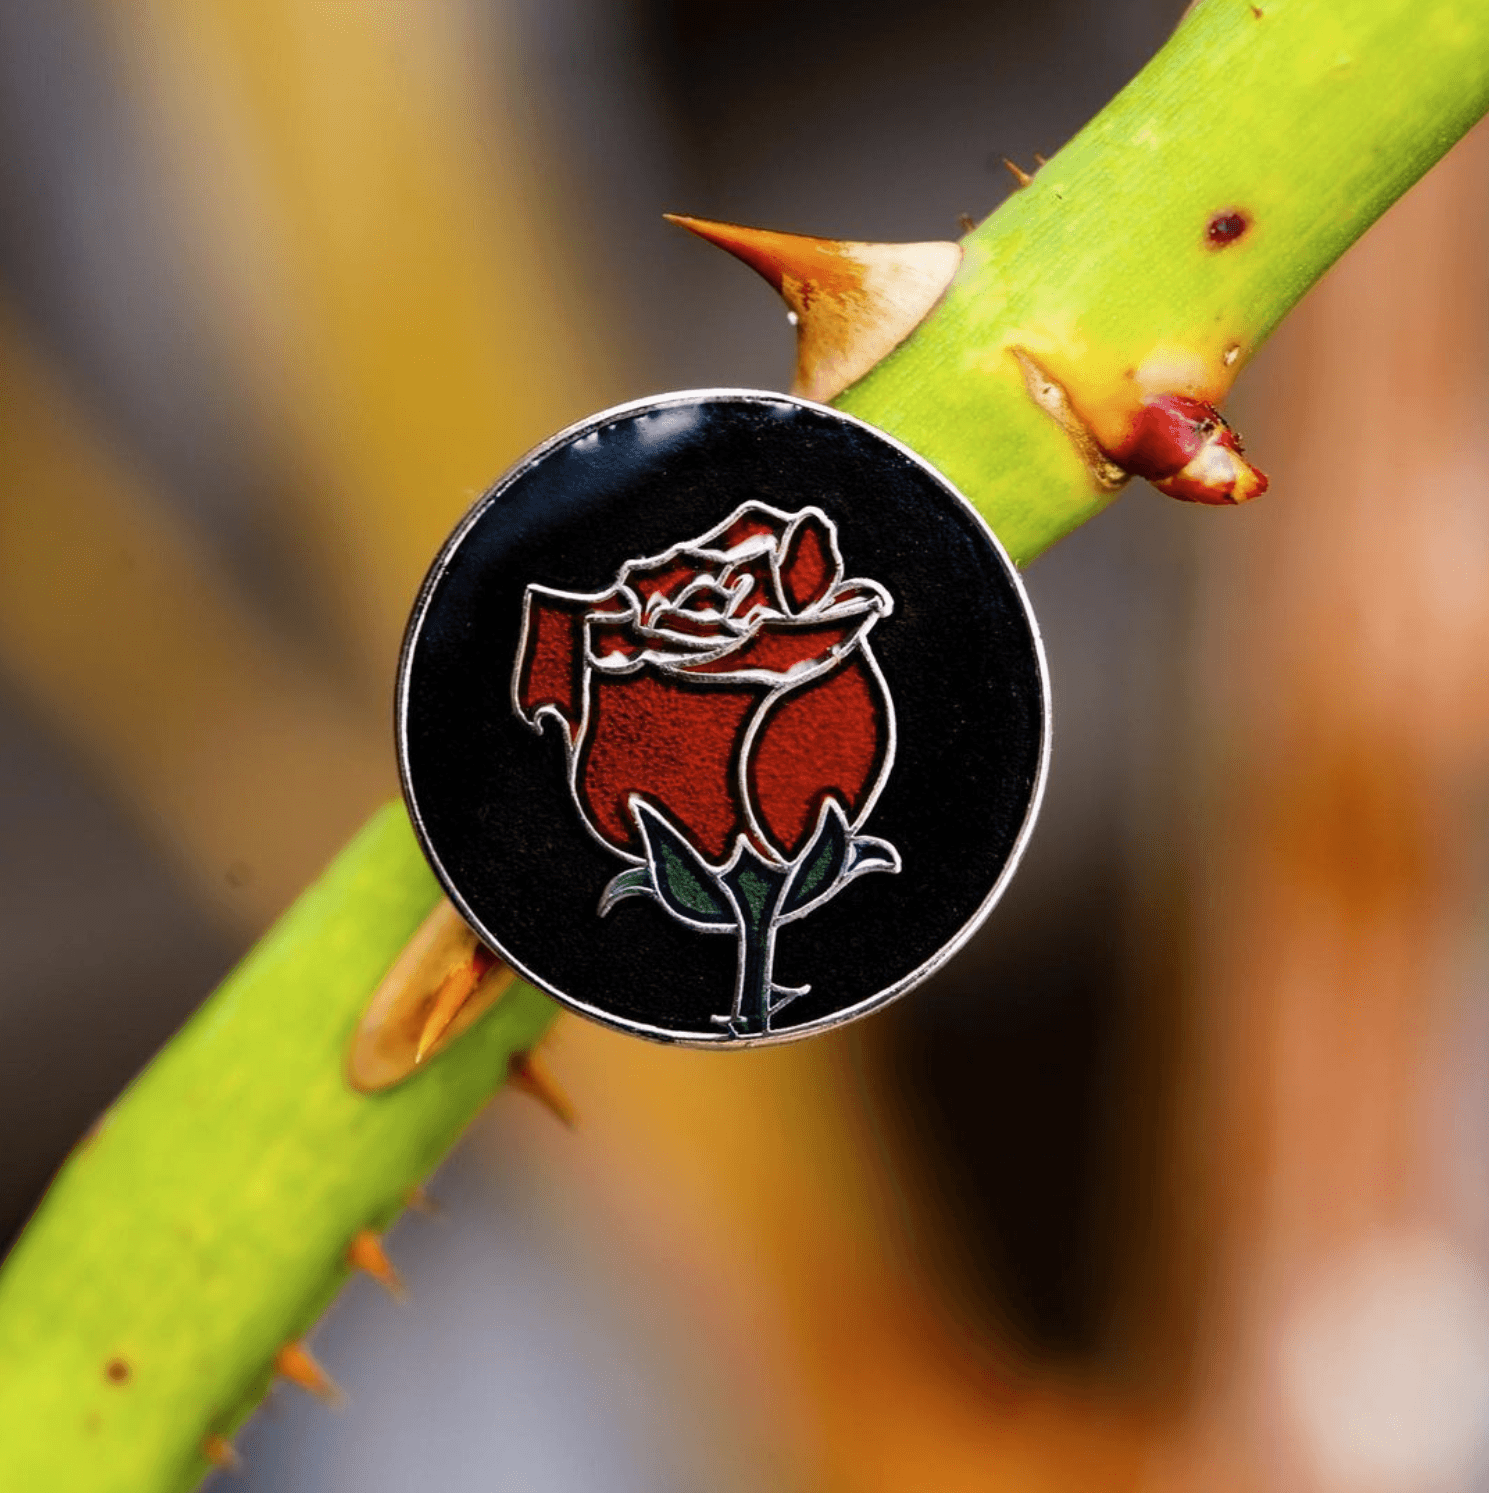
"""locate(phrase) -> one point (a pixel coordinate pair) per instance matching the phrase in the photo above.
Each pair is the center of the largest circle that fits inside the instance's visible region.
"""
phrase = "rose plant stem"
(206, 1221)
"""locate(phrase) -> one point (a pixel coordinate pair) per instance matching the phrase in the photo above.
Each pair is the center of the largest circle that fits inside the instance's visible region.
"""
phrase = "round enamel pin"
(723, 718)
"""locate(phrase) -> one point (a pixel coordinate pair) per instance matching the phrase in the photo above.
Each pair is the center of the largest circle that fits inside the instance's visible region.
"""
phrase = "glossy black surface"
(960, 654)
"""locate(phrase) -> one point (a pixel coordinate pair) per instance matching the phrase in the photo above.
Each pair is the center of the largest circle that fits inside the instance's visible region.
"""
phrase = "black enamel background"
(959, 654)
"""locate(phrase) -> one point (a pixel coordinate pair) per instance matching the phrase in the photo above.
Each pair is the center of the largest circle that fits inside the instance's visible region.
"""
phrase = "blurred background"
(1174, 1180)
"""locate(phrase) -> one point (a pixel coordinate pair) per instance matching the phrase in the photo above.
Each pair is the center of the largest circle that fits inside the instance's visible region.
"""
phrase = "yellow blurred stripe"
(384, 250)
(130, 642)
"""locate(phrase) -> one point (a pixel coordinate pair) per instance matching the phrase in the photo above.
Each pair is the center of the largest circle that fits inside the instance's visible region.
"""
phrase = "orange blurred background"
(1173, 1180)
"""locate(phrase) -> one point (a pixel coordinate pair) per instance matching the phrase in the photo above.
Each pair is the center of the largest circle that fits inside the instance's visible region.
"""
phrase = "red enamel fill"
(552, 670)
(620, 636)
(662, 577)
(809, 570)
(762, 590)
(779, 646)
(707, 598)
(674, 744)
(749, 525)
(827, 738)
(673, 619)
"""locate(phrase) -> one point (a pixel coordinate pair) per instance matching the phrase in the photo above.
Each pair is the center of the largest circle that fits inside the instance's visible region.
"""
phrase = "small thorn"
(420, 1201)
(967, 221)
(220, 1452)
(854, 303)
(294, 1362)
(1021, 176)
(527, 1073)
(1039, 160)
(366, 1253)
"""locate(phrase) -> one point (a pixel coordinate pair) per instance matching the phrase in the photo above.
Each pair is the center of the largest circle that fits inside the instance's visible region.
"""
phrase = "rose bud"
(1185, 449)
(727, 683)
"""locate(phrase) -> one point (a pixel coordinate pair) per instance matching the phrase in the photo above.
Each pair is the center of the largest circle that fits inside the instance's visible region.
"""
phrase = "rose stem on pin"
(1145, 262)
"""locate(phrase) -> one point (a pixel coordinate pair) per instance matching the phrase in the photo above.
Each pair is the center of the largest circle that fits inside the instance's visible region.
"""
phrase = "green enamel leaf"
(682, 879)
(822, 862)
(632, 883)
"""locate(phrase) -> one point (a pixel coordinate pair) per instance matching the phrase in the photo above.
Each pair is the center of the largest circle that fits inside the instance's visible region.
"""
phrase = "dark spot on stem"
(1225, 228)
(118, 1371)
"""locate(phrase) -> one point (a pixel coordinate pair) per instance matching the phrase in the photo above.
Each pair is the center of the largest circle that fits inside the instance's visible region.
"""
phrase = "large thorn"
(366, 1253)
(527, 1073)
(853, 303)
(454, 991)
(444, 980)
(294, 1362)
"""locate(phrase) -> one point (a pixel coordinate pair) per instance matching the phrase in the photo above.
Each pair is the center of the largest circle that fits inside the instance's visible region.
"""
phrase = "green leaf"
(870, 854)
(821, 863)
(632, 883)
(683, 880)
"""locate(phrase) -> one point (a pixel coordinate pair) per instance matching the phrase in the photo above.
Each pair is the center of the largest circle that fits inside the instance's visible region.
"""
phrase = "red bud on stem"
(1185, 448)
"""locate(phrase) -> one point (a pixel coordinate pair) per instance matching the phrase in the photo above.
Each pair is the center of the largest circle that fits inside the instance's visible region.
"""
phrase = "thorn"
(1039, 160)
(294, 1362)
(220, 1452)
(527, 1073)
(456, 988)
(366, 1253)
(419, 1200)
(1021, 176)
(967, 221)
(854, 303)
(442, 982)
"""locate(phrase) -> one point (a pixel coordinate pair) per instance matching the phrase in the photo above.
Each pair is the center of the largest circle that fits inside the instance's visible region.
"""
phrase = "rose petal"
(672, 743)
(704, 595)
(550, 666)
(784, 646)
(659, 577)
(620, 643)
(673, 620)
(761, 591)
(752, 522)
(616, 601)
(609, 640)
(865, 593)
(810, 564)
(829, 738)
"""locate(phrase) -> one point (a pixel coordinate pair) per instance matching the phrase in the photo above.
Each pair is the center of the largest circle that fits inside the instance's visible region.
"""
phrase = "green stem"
(756, 889)
(1311, 117)
(204, 1223)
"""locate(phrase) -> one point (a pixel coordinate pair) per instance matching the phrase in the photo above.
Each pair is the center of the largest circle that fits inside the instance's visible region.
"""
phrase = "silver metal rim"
(593, 1013)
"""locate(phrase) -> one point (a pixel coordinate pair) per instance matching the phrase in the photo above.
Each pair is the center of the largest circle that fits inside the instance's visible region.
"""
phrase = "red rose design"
(722, 695)
(727, 682)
